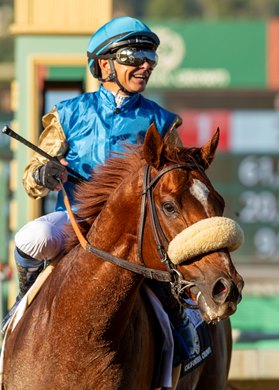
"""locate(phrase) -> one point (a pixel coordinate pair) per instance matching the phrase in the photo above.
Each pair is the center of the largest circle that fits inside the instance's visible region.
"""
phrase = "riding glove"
(47, 175)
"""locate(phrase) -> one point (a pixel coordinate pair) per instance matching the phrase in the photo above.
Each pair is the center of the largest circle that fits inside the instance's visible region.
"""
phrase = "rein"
(173, 276)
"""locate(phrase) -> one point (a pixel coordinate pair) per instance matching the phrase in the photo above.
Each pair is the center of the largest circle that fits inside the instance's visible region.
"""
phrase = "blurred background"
(218, 67)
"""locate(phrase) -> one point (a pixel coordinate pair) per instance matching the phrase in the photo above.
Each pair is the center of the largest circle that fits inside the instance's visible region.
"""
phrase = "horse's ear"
(153, 147)
(208, 150)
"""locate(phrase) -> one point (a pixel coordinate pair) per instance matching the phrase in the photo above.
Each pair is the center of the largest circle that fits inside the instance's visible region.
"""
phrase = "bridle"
(148, 198)
(179, 283)
(172, 275)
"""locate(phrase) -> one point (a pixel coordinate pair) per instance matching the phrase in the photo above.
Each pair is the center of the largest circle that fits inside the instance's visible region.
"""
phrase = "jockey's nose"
(146, 65)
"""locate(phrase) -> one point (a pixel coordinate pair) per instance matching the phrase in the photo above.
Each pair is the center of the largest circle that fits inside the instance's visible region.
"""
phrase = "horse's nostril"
(224, 291)
(220, 290)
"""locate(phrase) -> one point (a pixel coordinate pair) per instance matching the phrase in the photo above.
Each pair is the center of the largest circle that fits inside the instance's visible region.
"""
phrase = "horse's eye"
(169, 208)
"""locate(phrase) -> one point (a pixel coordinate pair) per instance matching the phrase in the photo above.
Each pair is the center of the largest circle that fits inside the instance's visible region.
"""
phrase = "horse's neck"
(107, 288)
(110, 288)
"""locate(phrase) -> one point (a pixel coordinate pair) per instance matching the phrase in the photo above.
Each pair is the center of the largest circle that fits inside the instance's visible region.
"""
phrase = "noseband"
(172, 275)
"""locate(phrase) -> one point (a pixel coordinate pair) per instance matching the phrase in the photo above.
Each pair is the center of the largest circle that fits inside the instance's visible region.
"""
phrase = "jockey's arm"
(53, 141)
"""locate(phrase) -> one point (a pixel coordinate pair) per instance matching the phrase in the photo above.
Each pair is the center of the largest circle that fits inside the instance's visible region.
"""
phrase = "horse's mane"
(91, 196)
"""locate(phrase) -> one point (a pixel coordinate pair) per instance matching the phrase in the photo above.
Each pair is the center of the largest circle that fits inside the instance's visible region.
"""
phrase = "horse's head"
(187, 223)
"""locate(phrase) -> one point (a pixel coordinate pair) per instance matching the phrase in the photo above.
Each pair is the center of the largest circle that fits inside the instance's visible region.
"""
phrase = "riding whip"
(7, 130)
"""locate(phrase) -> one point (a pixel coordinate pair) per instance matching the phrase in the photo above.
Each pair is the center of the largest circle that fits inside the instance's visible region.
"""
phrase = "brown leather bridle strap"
(142, 215)
(162, 276)
(147, 197)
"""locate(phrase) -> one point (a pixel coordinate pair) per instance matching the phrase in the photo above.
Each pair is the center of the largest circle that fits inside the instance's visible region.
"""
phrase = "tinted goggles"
(136, 57)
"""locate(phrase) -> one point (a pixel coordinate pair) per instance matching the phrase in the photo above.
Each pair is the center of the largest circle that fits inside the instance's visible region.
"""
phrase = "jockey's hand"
(50, 174)
(64, 176)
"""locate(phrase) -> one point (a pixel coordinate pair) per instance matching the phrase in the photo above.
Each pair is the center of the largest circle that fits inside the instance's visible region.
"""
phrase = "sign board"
(210, 54)
(246, 173)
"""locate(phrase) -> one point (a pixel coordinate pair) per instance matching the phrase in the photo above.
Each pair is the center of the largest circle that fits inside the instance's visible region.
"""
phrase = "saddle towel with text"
(203, 342)
(203, 348)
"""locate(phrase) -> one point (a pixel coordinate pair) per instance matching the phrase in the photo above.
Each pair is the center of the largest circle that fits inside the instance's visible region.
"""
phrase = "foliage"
(198, 9)
(6, 40)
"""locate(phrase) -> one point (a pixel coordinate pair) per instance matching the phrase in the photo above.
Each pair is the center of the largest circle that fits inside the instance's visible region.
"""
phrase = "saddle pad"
(205, 349)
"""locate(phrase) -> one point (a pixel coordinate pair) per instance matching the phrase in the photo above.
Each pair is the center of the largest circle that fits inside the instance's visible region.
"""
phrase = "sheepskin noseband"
(205, 236)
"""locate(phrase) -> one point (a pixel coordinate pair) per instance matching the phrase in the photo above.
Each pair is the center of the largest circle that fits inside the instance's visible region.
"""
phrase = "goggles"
(136, 57)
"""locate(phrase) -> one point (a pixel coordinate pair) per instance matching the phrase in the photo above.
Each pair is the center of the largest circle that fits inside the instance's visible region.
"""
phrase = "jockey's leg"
(43, 238)
(37, 243)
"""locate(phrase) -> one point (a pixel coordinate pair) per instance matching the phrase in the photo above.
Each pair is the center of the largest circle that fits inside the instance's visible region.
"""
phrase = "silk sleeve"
(53, 141)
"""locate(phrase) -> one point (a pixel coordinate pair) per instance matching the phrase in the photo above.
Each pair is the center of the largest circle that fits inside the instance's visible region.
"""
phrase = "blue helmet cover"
(117, 30)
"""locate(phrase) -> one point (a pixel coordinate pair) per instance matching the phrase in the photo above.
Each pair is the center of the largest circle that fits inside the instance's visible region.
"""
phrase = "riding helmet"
(120, 32)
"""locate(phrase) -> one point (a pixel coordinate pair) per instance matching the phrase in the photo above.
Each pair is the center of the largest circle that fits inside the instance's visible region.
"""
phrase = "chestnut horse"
(91, 325)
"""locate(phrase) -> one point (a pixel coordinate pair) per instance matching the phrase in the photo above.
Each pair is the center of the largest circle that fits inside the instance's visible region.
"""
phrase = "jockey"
(83, 131)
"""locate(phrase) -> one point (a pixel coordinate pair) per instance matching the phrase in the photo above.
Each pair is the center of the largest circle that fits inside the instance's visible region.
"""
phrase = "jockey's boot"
(185, 337)
(28, 270)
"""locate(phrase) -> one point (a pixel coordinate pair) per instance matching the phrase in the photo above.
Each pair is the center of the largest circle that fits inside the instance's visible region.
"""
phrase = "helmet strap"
(113, 77)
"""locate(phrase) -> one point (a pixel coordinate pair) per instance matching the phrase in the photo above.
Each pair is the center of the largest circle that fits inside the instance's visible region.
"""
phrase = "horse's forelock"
(183, 155)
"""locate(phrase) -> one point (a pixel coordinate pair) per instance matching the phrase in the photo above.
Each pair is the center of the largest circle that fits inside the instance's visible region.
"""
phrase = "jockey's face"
(133, 78)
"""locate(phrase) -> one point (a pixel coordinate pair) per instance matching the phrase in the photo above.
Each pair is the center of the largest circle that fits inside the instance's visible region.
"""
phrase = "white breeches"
(43, 238)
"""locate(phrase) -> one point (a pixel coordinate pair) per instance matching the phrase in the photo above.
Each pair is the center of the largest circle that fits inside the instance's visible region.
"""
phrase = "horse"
(92, 326)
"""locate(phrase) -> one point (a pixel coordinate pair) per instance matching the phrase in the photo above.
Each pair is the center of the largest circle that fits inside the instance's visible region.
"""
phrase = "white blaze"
(200, 192)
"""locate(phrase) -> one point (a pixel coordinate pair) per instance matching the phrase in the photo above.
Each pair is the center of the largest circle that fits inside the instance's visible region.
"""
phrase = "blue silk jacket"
(94, 127)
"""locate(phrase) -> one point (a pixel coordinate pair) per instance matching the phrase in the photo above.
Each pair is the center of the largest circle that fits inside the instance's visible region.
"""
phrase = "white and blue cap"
(120, 32)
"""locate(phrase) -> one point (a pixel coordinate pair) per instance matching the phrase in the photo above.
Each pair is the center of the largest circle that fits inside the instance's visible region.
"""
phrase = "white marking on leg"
(201, 193)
